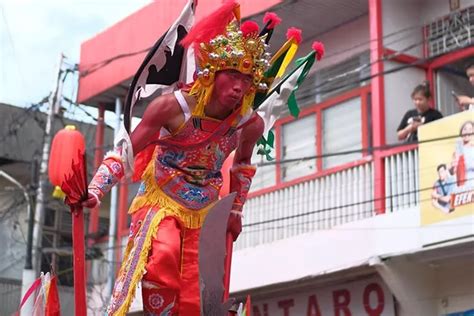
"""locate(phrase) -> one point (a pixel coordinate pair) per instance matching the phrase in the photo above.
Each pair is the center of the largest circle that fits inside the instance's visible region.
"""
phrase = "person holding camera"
(466, 102)
(422, 114)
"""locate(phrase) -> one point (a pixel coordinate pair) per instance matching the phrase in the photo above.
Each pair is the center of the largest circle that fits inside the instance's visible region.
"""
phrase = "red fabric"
(248, 306)
(318, 47)
(75, 184)
(172, 268)
(190, 295)
(52, 305)
(461, 171)
(141, 161)
(295, 34)
(64, 150)
(273, 18)
(163, 267)
(225, 170)
(28, 293)
(249, 27)
(211, 26)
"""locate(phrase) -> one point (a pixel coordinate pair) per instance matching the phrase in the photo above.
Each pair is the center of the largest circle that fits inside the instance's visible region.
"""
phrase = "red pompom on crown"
(212, 25)
(318, 47)
(249, 27)
(295, 34)
(273, 18)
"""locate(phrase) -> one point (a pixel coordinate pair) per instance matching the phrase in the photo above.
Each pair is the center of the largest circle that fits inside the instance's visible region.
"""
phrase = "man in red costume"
(187, 135)
(192, 133)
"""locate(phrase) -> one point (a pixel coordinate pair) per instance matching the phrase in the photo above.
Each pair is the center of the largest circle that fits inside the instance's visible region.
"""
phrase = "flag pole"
(79, 261)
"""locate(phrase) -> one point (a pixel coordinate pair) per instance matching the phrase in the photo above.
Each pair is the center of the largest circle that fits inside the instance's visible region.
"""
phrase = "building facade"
(336, 222)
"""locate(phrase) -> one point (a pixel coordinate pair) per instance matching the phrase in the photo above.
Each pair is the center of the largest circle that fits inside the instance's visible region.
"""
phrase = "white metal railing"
(315, 204)
(10, 296)
(401, 180)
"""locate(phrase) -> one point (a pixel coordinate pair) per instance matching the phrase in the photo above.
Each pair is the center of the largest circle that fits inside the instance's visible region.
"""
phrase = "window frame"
(316, 109)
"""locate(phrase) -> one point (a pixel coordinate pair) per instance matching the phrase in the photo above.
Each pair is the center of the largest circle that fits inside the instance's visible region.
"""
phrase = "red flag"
(248, 306)
(53, 307)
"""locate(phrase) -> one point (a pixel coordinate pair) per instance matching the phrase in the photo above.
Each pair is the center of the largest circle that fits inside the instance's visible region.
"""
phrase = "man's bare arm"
(242, 172)
(248, 138)
(159, 113)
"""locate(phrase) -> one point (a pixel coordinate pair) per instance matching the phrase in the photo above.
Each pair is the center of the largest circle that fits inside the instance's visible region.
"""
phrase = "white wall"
(13, 231)
(343, 38)
(401, 25)
(398, 88)
(350, 245)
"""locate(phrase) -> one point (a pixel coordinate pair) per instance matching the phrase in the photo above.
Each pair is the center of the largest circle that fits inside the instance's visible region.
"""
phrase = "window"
(342, 128)
(266, 175)
(298, 141)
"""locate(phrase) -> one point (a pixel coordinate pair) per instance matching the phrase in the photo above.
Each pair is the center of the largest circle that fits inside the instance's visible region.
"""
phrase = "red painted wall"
(135, 33)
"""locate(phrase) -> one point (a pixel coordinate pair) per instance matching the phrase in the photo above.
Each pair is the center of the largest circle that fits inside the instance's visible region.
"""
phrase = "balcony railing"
(10, 291)
(315, 204)
(401, 178)
(323, 202)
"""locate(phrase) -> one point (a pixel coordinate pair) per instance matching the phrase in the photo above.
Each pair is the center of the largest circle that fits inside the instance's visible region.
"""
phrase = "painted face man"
(189, 134)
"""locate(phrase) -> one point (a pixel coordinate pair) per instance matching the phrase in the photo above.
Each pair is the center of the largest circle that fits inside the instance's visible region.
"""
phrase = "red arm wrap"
(240, 181)
(109, 173)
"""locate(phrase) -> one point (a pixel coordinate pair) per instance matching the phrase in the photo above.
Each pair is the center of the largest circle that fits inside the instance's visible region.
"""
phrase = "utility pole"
(113, 215)
(29, 274)
(54, 100)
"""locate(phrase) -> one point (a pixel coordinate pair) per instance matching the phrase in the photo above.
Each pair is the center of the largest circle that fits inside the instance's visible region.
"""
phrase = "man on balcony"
(464, 101)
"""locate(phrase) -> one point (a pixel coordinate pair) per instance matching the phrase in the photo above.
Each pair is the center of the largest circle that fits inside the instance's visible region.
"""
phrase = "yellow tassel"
(288, 57)
(58, 193)
(203, 94)
(155, 197)
(247, 103)
(140, 268)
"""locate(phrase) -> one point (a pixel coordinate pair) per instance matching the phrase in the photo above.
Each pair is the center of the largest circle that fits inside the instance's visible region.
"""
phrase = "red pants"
(171, 281)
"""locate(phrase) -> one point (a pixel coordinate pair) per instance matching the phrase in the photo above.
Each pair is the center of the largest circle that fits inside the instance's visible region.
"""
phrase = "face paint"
(230, 87)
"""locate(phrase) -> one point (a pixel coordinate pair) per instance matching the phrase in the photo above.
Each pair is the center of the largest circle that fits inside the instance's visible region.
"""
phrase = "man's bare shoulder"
(190, 100)
(255, 125)
(164, 106)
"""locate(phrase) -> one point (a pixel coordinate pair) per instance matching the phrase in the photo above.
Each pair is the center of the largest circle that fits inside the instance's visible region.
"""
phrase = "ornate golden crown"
(245, 53)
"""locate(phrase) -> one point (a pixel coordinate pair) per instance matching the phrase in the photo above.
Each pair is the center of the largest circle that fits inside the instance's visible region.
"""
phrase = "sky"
(33, 33)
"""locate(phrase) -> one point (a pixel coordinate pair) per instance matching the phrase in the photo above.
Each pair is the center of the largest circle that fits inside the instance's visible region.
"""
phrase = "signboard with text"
(369, 297)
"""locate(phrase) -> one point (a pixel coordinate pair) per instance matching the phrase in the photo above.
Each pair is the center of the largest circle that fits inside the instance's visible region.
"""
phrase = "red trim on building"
(317, 110)
(320, 174)
(136, 33)
(403, 58)
(397, 150)
(319, 139)
(378, 100)
(364, 122)
(278, 152)
(452, 57)
(444, 60)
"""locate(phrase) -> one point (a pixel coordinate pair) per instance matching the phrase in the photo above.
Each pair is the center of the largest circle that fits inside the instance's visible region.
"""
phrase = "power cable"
(342, 206)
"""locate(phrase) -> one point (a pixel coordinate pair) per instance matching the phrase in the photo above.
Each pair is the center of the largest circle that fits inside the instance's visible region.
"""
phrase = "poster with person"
(446, 168)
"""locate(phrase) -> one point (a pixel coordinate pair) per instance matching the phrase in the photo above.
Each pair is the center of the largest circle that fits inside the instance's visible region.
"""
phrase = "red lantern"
(68, 145)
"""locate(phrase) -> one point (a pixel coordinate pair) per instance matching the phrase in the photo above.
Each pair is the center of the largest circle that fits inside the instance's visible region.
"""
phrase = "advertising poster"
(446, 165)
